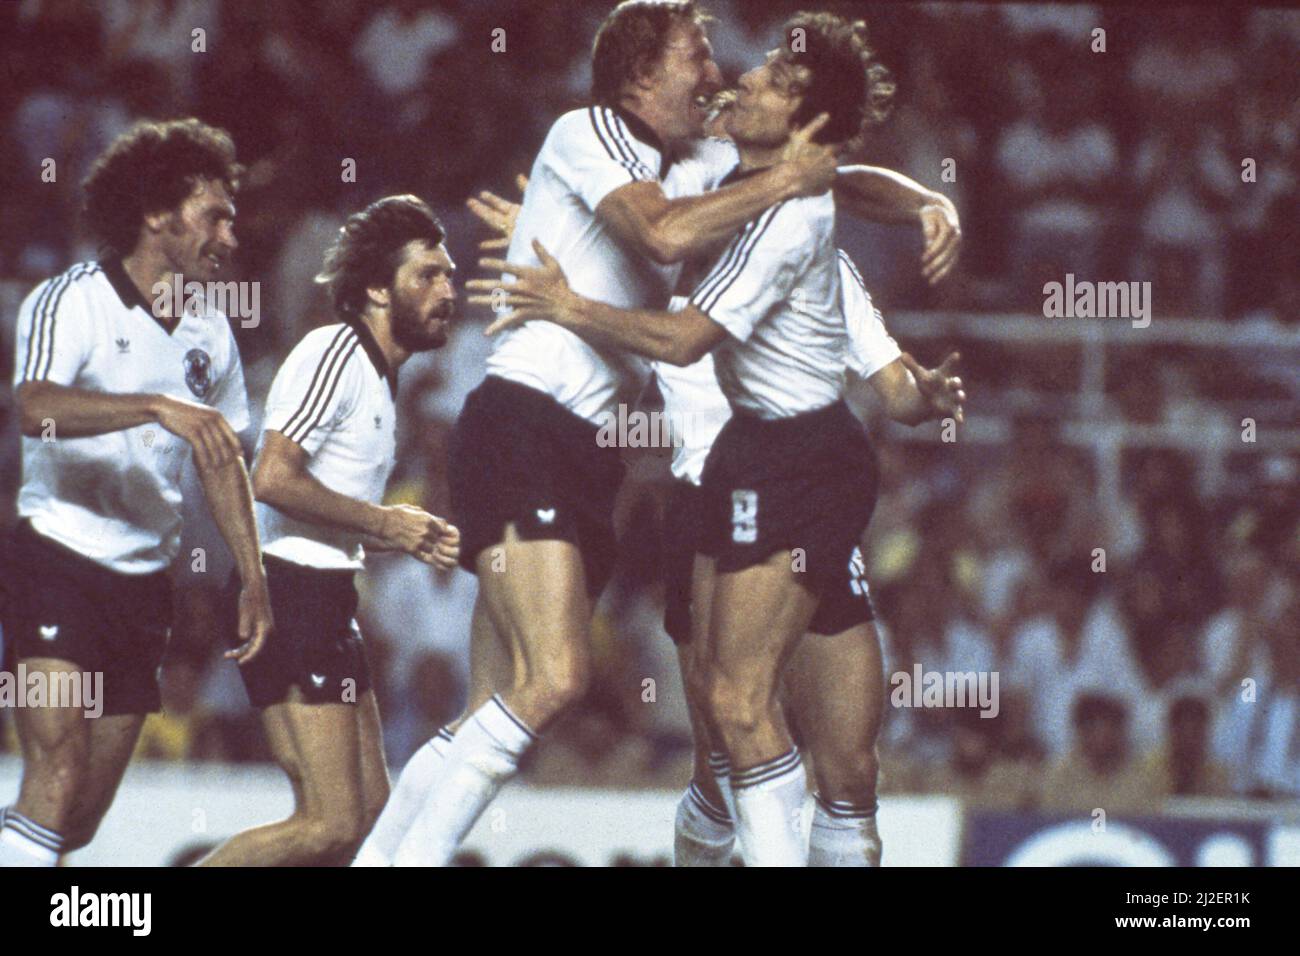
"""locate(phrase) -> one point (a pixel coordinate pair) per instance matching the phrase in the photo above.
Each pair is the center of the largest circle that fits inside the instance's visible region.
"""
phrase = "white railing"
(1087, 415)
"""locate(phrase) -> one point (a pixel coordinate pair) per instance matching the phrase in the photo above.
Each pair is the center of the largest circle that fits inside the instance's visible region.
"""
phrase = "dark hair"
(368, 250)
(631, 39)
(845, 79)
(153, 166)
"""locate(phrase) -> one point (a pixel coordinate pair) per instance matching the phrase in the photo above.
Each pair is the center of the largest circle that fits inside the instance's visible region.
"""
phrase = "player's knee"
(738, 710)
(562, 682)
(325, 836)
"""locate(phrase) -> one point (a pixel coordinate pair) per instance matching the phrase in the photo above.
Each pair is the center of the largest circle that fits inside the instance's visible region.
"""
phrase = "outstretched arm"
(913, 394)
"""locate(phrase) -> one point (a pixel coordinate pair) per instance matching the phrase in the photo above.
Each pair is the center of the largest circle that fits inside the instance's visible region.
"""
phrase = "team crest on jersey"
(198, 372)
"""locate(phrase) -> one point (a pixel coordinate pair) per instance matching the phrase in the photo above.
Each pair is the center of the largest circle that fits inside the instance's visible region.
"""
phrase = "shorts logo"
(857, 574)
(546, 515)
(318, 680)
(744, 517)
(49, 632)
(198, 372)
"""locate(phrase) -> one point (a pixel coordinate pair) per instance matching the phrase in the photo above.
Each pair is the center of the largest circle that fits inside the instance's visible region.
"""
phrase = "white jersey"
(697, 409)
(334, 396)
(588, 154)
(776, 290)
(116, 497)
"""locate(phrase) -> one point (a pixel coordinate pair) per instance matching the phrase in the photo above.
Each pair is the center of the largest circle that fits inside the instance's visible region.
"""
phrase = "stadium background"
(1123, 165)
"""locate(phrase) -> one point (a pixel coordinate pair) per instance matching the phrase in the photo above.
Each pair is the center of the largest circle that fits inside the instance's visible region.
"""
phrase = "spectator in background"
(1182, 766)
(1071, 648)
(1057, 165)
(1100, 771)
(978, 772)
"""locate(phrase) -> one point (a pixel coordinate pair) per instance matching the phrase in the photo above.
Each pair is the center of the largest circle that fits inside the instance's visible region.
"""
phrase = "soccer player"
(834, 682)
(327, 452)
(789, 484)
(113, 394)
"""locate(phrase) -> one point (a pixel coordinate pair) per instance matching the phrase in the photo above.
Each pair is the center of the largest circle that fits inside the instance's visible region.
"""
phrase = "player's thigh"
(537, 597)
(318, 745)
(703, 573)
(835, 688)
(755, 621)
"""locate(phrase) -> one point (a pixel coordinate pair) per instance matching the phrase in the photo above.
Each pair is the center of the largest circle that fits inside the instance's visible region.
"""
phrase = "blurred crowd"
(1175, 670)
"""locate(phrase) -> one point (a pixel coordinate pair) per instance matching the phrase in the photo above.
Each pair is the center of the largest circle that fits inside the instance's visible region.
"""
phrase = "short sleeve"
(870, 347)
(230, 397)
(313, 392)
(757, 270)
(53, 337)
(592, 151)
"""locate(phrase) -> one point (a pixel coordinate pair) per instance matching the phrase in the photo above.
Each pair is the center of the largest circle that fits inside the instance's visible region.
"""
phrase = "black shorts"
(61, 605)
(316, 645)
(805, 485)
(839, 609)
(519, 456)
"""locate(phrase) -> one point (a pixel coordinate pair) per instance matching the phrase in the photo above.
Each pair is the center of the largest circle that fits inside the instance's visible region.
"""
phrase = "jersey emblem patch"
(198, 372)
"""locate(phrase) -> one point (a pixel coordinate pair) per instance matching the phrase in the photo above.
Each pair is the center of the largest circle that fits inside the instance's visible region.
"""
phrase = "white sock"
(721, 767)
(24, 843)
(769, 807)
(704, 834)
(404, 802)
(483, 756)
(843, 834)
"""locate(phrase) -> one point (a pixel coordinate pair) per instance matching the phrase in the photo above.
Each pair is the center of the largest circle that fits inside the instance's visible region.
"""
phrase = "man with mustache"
(327, 452)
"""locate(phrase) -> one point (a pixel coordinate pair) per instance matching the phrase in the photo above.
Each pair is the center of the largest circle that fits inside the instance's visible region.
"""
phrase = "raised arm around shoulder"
(670, 230)
(882, 195)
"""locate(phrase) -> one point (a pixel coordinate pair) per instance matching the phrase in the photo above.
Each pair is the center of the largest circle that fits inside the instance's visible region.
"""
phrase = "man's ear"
(645, 74)
(158, 220)
(378, 296)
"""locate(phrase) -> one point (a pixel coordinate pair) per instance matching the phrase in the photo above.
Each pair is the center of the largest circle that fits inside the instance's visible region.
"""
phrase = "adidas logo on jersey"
(546, 515)
(49, 631)
(123, 346)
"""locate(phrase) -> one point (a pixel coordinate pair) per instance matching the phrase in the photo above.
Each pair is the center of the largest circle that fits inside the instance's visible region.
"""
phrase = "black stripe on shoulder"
(318, 415)
(40, 340)
(319, 380)
(725, 283)
(844, 258)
